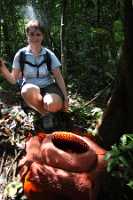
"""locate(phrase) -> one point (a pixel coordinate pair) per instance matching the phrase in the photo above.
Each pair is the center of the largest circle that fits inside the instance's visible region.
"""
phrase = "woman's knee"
(29, 89)
(52, 102)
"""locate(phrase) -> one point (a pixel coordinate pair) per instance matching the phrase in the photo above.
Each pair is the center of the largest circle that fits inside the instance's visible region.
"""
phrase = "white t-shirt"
(30, 72)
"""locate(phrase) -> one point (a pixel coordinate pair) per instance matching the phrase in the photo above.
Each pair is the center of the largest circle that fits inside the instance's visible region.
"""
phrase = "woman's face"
(35, 36)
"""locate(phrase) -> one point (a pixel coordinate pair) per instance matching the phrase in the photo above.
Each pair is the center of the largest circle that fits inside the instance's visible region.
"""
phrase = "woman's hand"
(11, 77)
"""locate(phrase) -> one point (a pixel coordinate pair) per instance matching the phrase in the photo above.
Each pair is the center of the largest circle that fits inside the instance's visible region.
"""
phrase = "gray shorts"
(53, 88)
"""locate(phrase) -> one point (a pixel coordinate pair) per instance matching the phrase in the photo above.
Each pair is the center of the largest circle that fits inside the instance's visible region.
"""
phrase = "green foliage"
(118, 31)
(93, 37)
(120, 160)
(13, 190)
(11, 31)
(85, 115)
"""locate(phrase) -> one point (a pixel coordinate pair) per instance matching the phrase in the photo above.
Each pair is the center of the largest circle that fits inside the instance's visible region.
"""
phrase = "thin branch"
(2, 162)
(14, 160)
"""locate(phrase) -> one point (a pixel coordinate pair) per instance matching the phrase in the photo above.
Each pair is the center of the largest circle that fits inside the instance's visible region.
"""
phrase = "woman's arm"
(11, 77)
(60, 81)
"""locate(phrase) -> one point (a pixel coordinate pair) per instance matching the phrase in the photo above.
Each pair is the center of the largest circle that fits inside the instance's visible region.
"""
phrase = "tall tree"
(11, 27)
(62, 36)
(117, 118)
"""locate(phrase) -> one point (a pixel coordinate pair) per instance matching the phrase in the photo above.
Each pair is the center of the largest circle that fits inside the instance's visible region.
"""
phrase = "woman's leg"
(52, 102)
(53, 98)
(33, 98)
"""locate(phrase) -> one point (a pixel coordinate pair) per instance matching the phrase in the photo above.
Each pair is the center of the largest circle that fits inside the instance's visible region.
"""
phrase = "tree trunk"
(118, 117)
(98, 11)
(62, 38)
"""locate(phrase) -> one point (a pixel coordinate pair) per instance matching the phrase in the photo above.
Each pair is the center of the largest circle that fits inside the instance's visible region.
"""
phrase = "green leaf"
(124, 161)
(12, 189)
(130, 184)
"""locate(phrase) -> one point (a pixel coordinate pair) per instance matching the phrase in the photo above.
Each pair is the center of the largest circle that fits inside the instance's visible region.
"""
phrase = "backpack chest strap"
(36, 65)
(46, 60)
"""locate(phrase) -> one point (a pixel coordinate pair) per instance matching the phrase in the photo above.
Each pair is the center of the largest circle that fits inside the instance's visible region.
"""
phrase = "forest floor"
(15, 125)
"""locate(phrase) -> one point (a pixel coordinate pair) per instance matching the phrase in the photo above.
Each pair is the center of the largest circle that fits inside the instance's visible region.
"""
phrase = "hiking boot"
(48, 122)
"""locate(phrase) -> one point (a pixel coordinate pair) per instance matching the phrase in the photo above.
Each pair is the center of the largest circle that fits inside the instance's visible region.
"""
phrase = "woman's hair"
(35, 24)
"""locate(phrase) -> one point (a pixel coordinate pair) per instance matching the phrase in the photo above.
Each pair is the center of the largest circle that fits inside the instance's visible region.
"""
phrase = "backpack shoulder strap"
(48, 61)
(22, 60)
